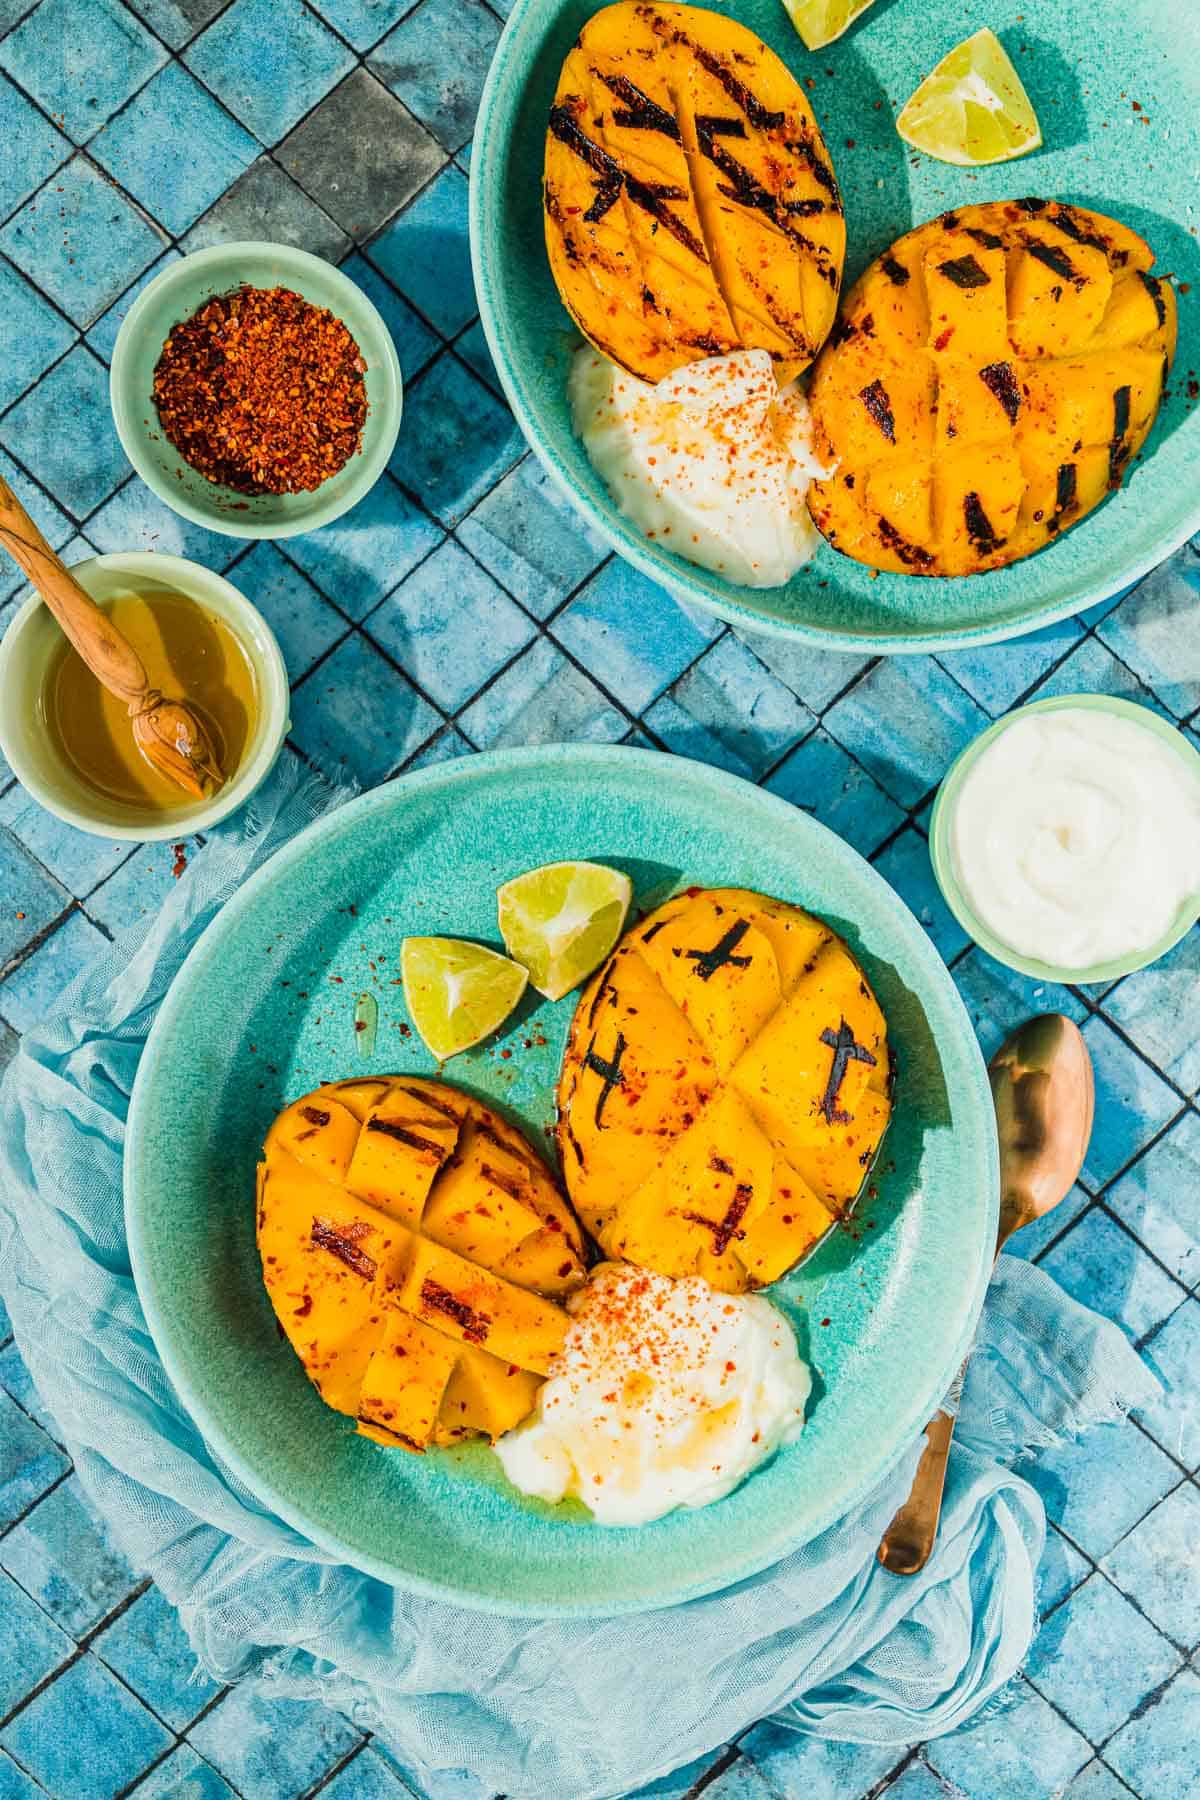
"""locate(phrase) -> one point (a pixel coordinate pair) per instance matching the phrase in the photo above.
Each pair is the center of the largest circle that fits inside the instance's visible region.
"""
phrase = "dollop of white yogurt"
(713, 462)
(666, 1393)
(1076, 836)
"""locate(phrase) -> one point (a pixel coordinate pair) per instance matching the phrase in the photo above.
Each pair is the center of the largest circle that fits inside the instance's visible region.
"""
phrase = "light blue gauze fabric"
(469, 1702)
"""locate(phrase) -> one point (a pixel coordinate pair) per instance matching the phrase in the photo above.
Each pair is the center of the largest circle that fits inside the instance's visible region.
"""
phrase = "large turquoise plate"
(262, 1010)
(1085, 65)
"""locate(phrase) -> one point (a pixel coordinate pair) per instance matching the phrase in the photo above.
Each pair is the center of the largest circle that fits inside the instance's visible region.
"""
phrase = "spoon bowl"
(1045, 1099)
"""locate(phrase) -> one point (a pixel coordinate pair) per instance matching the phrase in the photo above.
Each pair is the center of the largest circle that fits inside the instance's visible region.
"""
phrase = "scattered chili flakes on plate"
(262, 392)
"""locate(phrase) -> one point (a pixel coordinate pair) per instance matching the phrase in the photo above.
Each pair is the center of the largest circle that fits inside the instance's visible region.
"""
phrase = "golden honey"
(189, 653)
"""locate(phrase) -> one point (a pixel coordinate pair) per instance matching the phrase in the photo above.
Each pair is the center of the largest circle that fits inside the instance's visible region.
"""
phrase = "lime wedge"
(457, 993)
(561, 921)
(972, 109)
(820, 21)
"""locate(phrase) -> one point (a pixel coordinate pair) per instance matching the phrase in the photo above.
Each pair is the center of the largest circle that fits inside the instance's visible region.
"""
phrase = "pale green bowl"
(34, 638)
(175, 295)
(942, 854)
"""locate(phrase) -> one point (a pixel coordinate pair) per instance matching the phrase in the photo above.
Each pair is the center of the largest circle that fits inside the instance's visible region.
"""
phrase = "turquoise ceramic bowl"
(941, 850)
(1084, 66)
(177, 293)
(263, 1009)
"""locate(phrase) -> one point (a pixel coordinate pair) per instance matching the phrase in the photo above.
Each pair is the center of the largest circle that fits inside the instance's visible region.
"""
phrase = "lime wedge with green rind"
(562, 920)
(457, 993)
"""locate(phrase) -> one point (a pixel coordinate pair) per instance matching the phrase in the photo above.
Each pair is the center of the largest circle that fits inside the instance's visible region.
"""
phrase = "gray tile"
(361, 154)
(177, 20)
(266, 203)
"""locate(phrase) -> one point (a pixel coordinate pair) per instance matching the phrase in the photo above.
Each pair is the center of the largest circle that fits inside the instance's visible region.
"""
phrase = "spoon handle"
(1041, 1080)
(111, 658)
(906, 1544)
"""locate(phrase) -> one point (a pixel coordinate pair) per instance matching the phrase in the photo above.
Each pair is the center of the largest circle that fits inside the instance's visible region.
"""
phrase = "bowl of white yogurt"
(1066, 839)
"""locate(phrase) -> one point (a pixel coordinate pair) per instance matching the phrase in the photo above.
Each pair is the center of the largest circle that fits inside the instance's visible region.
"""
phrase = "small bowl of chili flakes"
(256, 390)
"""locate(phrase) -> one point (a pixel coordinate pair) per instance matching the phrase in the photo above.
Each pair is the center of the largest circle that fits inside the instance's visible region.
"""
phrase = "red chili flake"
(262, 392)
(943, 338)
(506, 1054)
(180, 863)
(827, 1321)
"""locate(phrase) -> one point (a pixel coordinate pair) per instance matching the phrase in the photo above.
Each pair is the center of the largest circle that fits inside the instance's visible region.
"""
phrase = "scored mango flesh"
(725, 1089)
(416, 1252)
(690, 205)
(989, 382)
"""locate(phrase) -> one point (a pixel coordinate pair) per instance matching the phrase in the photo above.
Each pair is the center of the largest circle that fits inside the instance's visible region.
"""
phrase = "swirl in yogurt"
(1076, 836)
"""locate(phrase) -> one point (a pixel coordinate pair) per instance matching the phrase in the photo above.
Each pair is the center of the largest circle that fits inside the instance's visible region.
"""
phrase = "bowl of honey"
(69, 741)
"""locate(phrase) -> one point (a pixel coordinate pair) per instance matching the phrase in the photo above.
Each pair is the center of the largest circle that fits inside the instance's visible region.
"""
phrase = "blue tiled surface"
(270, 61)
(468, 608)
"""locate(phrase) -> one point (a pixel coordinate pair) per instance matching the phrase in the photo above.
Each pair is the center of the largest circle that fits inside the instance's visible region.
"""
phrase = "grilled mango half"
(988, 383)
(690, 204)
(416, 1253)
(725, 1089)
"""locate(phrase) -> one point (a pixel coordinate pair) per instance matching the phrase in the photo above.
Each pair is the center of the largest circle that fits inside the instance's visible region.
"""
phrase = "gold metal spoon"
(1044, 1096)
(173, 739)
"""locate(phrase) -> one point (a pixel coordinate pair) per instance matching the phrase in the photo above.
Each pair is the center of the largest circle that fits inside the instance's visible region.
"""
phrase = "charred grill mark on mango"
(965, 272)
(389, 1431)
(760, 116)
(987, 240)
(979, 526)
(1031, 204)
(1153, 287)
(1064, 495)
(911, 555)
(875, 398)
(573, 1141)
(895, 271)
(642, 113)
(1000, 379)
(845, 1051)
(316, 1116)
(404, 1135)
(726, 1229)
(611, 1073)
(475, 1325)
(722, 954)
(1055, 259)
(343, 1244)
(1118, 448)
(1070, 227)
(508, 1184)
(433, 1102)
(818, 168)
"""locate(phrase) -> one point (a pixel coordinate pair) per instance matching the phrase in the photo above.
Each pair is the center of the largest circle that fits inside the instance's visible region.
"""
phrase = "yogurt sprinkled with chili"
(666, 1393)
(713, 462)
